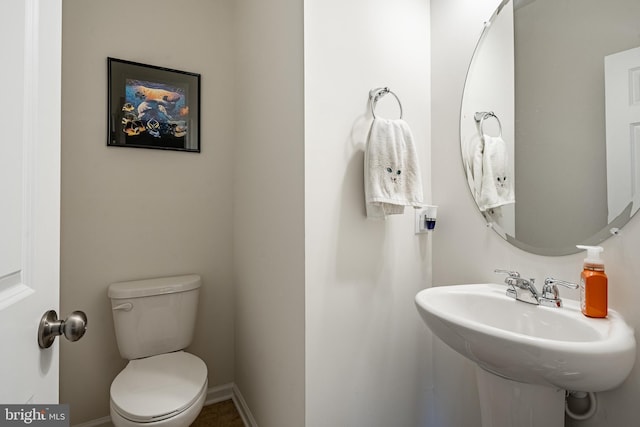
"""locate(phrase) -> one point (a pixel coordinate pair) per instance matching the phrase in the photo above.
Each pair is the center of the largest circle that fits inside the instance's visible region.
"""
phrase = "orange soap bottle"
(593, 284)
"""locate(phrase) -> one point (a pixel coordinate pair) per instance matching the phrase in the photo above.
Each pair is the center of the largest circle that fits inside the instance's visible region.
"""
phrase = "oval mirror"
(550, 122)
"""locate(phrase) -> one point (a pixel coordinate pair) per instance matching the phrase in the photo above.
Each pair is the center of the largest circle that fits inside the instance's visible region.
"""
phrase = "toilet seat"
(159, 387)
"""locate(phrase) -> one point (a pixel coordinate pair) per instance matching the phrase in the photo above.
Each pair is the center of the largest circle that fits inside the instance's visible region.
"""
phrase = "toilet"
(162, 385)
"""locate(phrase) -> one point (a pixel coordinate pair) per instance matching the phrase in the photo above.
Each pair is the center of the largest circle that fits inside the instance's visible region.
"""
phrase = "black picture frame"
(152, 107)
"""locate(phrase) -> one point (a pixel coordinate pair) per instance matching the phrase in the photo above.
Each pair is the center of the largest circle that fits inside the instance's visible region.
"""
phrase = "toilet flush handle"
(127, 306)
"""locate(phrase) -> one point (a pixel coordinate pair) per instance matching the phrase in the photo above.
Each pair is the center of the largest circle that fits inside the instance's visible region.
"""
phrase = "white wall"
(268, 220)
(465, 251)
(367, 350)
(134, 213)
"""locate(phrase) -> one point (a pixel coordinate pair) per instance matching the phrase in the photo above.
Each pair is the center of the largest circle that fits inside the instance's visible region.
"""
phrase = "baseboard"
(243, 409)
(214, 395)
(219, 393)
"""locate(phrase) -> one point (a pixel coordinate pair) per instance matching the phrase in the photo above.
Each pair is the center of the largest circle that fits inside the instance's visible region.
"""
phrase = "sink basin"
(556, 347)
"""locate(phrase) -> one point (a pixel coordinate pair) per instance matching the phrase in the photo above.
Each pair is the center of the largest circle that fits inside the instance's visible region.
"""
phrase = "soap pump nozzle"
(593, 255)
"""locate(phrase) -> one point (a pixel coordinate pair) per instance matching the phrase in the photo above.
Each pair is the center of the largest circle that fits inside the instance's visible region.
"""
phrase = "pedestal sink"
(527, 355)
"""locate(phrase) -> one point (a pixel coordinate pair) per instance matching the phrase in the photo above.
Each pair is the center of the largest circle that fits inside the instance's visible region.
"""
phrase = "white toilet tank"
(154, 316)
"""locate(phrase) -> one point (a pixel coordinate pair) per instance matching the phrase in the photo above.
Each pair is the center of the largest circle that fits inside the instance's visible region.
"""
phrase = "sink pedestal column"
(507, 403)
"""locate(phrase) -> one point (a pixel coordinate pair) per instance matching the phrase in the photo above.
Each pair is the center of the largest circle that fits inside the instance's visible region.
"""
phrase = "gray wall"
(268, 221)
(560, 114)
(120, 221)
(136, 213)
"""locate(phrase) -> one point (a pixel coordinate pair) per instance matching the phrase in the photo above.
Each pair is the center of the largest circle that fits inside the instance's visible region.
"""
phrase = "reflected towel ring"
(376, 94)
(479, 118)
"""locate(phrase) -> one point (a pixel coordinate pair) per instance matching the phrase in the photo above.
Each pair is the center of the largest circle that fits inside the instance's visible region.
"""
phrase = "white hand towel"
(392, 177)
(497, 181)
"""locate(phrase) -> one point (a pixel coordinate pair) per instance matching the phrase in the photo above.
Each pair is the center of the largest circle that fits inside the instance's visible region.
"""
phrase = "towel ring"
(481, 116)
(376, 94)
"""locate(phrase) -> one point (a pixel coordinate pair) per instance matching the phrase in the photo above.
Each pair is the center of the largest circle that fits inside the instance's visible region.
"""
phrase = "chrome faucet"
(524, 290)
(520, 288)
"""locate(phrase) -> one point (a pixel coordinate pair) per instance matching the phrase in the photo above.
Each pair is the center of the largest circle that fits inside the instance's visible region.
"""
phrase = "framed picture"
(153, 107)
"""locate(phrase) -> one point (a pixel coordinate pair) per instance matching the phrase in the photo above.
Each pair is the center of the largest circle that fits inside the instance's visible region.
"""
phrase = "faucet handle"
(551, 281)
(509, 273)
(550, 294)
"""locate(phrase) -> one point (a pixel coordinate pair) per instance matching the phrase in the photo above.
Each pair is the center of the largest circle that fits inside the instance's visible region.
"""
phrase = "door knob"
(73, 327)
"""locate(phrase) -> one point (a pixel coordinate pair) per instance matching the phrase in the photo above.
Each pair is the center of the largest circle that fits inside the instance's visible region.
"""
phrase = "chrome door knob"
(73, 327)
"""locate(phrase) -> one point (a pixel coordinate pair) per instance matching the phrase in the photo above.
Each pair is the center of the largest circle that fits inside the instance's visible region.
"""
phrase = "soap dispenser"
(593, 284)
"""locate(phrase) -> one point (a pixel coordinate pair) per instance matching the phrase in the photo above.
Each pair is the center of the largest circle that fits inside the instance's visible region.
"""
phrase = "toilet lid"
(158, 387)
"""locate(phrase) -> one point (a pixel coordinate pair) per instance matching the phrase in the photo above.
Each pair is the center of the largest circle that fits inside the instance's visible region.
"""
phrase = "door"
(30, 194)
(622, 103)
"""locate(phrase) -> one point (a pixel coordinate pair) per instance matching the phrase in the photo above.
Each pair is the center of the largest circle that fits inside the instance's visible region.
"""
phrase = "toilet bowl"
(162, 385)
(164, 390)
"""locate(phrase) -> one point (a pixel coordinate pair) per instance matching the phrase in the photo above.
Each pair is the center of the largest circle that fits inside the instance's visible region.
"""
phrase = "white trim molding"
(219, 393)
(243, 408)
(214, 395)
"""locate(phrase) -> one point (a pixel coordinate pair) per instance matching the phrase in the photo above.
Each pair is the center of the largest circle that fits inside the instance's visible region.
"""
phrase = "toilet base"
(183, 419)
